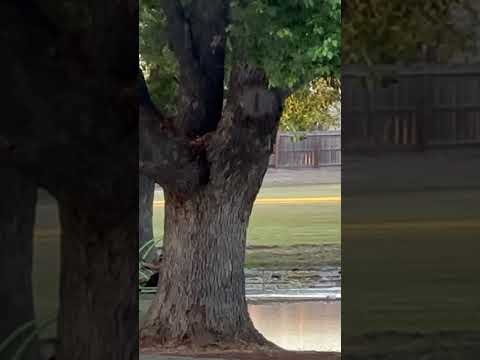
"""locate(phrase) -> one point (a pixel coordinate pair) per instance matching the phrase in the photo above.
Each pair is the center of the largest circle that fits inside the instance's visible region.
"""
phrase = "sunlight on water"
(300, 326)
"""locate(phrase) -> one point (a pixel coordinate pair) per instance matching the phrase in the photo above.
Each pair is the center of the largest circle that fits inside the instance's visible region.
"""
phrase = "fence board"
(437, 105)
(307, 150)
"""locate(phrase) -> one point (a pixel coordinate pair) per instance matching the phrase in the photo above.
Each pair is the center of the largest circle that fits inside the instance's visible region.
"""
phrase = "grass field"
(410, 245)
(426, 278)
(291, 226)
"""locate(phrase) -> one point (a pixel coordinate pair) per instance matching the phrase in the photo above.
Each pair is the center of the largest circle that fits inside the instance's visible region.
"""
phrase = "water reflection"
(300, 326)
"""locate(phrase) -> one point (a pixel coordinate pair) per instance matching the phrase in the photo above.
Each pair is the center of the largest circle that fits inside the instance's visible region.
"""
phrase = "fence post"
(369, 129)
(425, 114)
(277, 152)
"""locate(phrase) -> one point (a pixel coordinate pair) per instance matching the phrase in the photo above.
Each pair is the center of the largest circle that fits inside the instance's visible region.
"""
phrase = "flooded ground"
(297, 310)
(300, 326)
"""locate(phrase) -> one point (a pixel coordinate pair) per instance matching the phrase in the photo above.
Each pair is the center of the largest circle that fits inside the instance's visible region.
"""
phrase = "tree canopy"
(296, 42)
(156, 60)
(398, 31)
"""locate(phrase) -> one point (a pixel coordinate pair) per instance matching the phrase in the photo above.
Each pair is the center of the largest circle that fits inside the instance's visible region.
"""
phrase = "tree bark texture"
(99, 282)
(17, 217)
(201, 299)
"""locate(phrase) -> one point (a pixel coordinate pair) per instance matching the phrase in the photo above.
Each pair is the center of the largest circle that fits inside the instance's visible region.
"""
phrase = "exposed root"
(250, 340)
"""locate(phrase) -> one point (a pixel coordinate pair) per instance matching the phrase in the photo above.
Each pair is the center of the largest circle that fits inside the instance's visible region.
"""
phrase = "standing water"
(300, 326)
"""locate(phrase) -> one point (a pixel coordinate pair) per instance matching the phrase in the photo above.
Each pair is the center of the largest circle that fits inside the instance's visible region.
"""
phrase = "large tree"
(305, 48)
(70, 125)
(237, 60)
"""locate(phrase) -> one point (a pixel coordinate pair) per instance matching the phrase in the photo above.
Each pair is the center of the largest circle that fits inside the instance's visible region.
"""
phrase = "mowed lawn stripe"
(408, 225)
(280, 201)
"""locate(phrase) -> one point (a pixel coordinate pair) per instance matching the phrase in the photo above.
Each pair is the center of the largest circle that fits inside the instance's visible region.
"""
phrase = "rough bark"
(99, 279)
(146, 192)
(201, 297)
(17, 217)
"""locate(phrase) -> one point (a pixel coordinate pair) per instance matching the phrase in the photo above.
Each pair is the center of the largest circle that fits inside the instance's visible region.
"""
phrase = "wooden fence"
(308, 150)
(425, 106)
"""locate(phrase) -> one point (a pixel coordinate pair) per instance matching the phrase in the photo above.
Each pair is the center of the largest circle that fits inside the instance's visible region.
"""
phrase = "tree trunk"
(146, 192)
(201, 303)
(99, 280)
(17, 217)
(201, 300)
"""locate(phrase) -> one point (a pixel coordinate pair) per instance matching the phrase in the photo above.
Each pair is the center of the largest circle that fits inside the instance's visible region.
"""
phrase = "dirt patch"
(292, 279)
(300, 257)
(290, 177)
(282, 356)
(286, 177)
(411, 171)
(262, 247)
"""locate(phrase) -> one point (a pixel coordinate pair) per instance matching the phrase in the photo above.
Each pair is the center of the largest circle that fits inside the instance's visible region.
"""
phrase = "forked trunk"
(17, 217)
(201, 300)
(200, 303)
(99, 282)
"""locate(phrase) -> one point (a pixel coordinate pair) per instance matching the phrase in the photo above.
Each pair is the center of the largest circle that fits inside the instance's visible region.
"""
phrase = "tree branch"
(166, 157)
(248, 129)
(179, 35)
(197, 35)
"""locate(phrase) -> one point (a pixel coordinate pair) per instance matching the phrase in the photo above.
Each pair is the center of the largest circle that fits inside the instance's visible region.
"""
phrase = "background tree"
(403, 31)
(237, 60)
(312, 107)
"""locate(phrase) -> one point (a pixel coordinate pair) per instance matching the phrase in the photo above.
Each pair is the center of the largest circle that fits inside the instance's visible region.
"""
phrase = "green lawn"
(426, 278)
(288, 224)
(286, 236)
(299, 191)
